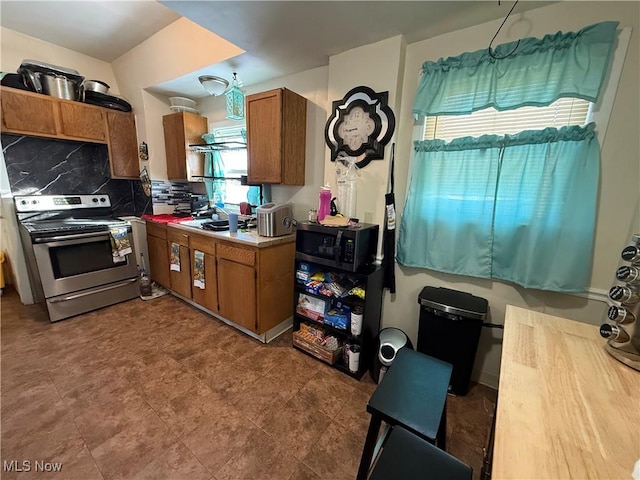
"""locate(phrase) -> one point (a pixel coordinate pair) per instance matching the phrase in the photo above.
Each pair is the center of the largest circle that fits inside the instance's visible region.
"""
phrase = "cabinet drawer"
(202, 243)
(157, 230)
(178, 236)
(236, 254)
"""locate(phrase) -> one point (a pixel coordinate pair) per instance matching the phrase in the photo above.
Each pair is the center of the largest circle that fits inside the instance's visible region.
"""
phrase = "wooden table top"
(566, 408)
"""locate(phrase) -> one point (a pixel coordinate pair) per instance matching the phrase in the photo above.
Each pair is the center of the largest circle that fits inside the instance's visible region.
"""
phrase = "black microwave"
(345, 248)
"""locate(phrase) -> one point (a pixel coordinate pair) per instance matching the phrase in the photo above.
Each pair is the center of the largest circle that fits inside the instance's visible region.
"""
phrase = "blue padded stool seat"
(412, 395)
(408, 457)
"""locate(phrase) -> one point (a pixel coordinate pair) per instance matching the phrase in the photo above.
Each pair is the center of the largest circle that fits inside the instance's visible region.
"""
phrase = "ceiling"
(279, 37)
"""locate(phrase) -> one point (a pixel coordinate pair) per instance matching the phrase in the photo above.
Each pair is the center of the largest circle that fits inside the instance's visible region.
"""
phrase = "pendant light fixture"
(235, 101)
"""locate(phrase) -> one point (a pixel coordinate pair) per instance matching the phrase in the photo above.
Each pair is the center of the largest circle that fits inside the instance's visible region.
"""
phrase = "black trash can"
(450, 326)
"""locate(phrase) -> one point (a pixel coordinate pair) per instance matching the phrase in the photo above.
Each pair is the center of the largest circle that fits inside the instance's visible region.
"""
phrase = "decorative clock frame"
(372, 104)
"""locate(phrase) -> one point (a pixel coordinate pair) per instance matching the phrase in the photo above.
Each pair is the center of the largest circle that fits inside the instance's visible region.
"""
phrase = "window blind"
(561, 113)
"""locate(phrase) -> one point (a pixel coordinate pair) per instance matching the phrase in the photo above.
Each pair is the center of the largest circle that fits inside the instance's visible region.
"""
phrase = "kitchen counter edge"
(250, 238)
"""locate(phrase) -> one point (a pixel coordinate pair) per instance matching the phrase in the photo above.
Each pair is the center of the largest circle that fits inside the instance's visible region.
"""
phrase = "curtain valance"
(539, 72)
(572, 133)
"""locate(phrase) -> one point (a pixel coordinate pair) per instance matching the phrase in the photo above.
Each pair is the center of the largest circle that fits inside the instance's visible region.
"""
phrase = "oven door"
(80, 261)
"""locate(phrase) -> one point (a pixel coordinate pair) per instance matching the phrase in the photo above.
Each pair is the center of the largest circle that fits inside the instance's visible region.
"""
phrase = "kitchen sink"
(197, 223)
(215, 225)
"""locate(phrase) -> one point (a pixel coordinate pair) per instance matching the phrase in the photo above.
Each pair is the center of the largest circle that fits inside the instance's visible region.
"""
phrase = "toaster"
(275, 220)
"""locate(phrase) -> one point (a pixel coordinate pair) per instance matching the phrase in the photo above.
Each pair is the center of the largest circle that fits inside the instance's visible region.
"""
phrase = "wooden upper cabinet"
(181, 130)
(123, 145)
(276, 136)
(82, 121)
(28, 113)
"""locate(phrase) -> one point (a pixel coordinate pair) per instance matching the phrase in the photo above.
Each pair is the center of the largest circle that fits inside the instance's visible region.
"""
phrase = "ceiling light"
(213, 85)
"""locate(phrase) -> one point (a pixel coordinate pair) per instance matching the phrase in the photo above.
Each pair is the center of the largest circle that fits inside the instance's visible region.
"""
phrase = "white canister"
(356, 321)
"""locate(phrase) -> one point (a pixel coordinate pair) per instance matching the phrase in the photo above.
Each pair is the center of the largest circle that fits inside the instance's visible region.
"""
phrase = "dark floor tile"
(297, 426)
(262, 458)
(302, 472)
(337, 454)
(130, 451)
(215, 442)
(158, 389)
(176, 462)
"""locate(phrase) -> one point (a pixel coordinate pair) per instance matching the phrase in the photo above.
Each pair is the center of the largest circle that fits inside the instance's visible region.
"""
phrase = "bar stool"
(412, 395)
(408, 457)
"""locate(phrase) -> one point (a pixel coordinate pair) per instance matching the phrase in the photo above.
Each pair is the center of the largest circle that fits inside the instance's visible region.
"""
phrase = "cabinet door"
(158, 260)
(264, 137)
(82, 121)
(123, 145)
(181, 281)
(207, 296)
(28, 113)
(181, 130)
(194, 127)
(237, 293)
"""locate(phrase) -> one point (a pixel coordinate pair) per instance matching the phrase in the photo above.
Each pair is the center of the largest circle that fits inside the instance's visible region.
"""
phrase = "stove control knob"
(102, 199)
(34, 201)
(23, 202)
(94, 200)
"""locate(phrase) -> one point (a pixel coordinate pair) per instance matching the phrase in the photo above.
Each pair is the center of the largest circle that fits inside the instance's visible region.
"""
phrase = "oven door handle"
(62, 238)
(99, 290)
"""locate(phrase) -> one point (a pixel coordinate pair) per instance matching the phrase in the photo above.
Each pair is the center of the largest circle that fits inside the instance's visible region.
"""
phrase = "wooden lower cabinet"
(237, 293)
(180, 279)
(158, 254)
(251, 287)
(207, 296)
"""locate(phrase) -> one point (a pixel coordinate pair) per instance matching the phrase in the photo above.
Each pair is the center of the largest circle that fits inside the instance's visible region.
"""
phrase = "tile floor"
(160, 390)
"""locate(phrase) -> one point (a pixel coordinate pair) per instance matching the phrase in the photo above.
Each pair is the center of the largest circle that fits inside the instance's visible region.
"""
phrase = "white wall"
(377, 66)
(16, 47)
(619, 186)
(176, 50)
(311, 84)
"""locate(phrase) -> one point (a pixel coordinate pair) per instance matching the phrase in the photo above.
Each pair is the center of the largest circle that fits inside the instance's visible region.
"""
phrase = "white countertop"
(250, 237)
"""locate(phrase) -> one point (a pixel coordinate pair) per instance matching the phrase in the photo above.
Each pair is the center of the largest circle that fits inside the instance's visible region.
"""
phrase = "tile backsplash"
(59, 167)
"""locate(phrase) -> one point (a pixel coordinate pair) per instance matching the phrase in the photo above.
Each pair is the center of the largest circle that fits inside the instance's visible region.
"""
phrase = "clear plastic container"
(346, 181)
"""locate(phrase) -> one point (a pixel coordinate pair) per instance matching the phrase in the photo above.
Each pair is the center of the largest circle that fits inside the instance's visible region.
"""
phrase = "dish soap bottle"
(145, 281)
(324, 205)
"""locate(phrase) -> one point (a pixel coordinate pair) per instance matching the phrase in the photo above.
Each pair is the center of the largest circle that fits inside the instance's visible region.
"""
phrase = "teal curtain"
(213, 167)
(539, 72)
(519, 207)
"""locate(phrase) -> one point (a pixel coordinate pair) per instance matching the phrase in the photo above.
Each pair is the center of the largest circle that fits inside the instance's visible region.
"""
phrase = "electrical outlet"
(368, 217)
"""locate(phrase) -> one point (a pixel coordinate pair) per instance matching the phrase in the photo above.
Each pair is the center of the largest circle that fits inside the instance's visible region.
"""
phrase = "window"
(509, 193)
(230, 163)
(489, 121)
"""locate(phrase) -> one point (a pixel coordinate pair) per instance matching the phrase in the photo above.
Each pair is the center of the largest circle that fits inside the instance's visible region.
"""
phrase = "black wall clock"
(360, 123)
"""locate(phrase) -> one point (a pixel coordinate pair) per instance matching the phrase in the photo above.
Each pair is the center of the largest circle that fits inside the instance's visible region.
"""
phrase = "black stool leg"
(441, 437)
(369, 446)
